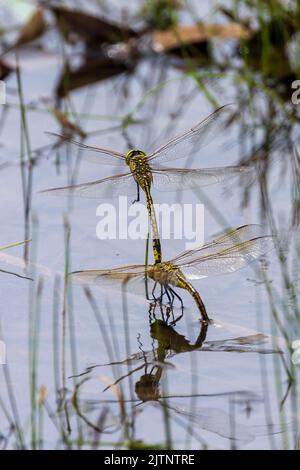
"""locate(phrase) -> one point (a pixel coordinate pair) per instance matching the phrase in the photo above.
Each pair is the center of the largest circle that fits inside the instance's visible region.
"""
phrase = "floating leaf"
(166, 41)
(33, 29)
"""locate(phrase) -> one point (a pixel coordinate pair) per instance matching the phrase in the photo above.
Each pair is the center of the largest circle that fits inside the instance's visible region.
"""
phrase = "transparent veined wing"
(134, 359)
(89, 152)
(113, 186)
(256, 343)
(226, 260)
(215, 421)
(191, 140)
(132, 278)
(228, 238)
(239, 234)
(172, 179)
(221, 423)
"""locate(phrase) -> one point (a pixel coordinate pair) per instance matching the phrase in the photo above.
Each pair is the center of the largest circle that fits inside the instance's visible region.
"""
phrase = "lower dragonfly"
(145, 172)
(231, 251)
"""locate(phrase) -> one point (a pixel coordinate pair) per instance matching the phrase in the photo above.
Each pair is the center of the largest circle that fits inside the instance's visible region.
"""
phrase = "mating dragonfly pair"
(227, 253)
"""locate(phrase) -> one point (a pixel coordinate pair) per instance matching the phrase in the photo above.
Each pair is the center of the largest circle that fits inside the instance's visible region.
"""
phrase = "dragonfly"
(232, 250)
(144, 171)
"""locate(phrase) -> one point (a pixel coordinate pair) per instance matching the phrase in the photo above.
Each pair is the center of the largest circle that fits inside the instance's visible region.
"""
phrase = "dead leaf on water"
(164, 41)
(75, 24)
(32, 29)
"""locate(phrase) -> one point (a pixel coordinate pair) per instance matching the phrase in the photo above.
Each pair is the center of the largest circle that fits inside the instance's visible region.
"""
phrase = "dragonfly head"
(147, 388)
(134, 153)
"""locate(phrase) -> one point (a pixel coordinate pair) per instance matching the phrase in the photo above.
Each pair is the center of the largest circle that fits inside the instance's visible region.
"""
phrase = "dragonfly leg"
(177, 296)
(137, 194)
(167, 314)
(153, 292)
(181, 303)
(175, 320)
(151, 312)
(170, 296)
(161, 293)
(170, 302)
(170, 310)
(169, 307)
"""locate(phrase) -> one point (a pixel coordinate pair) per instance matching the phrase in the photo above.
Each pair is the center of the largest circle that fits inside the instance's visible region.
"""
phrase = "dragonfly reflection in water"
(143, 170)
(171, 343)
(155, 362)
(229, 252)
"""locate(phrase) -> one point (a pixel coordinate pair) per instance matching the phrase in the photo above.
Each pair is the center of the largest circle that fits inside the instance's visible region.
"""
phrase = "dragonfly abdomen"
(155, 235)
(141, 171)
(183, 283)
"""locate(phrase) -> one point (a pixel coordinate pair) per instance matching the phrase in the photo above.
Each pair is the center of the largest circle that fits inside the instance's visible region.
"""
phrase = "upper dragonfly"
(143, 170)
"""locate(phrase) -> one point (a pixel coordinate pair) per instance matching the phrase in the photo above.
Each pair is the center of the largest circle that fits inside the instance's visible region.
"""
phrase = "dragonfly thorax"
(164, 273)
(139, 167)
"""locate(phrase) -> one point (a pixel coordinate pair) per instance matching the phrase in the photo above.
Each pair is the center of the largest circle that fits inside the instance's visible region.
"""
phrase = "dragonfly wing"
(172, 179)
(237, 235)
(256, 343)
(132, 278)
(228, 238)
(217, 422)
(113, 186)
(226, 260)
(89, 152)
(188, 143)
